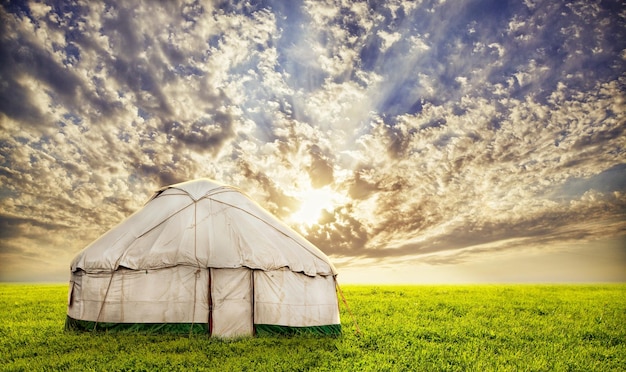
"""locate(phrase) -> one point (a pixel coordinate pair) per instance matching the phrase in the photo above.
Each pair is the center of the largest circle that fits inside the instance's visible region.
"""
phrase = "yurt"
(202, 257)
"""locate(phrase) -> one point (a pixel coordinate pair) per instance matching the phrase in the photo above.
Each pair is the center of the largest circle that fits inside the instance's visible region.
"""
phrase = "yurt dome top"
(202, 223)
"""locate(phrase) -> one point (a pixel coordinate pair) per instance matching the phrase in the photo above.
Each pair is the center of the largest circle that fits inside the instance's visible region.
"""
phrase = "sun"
(314, 201)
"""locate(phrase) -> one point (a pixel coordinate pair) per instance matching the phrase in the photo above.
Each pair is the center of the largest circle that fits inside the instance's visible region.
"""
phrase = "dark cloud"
(22, 58)
(536, 230)
(161, 174)
(13, 227)
(320, 170)
(598, 137)
(15, 101)
(206, 135)
(339, 232)
(358, 188)
(276, 200)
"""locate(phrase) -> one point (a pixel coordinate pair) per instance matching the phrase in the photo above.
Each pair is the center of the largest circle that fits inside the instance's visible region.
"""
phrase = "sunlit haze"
(425, 141)
(314, 203)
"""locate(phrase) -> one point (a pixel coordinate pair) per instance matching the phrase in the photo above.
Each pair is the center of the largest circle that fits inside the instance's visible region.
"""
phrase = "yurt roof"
(206, 224)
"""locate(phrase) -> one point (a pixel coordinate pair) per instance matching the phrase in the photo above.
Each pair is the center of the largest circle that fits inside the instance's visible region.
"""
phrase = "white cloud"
(388, 39)
(449, 144)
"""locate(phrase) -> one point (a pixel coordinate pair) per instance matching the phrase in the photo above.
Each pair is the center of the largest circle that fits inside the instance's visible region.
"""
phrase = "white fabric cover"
(291, 299)
(173, 295)
(198, 243)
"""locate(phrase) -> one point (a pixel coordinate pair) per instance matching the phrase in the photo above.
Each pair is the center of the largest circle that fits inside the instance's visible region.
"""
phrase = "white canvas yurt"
(202, 257)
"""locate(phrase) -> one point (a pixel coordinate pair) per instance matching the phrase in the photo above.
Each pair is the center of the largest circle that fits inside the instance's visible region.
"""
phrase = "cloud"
(442, 128)
(320, 170)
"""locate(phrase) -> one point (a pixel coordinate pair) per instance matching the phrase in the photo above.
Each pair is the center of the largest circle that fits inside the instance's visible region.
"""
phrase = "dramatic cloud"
(430, 132)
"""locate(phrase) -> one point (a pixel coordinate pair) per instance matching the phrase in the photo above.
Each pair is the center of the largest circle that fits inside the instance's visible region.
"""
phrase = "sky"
(466, 141)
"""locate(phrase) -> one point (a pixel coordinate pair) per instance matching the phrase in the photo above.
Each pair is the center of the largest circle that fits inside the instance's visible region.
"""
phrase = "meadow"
(403, 328)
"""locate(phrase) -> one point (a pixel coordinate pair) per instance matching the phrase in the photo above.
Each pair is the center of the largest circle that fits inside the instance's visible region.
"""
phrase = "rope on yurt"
(210, 320)
(252, 300)
(197, 272)
(356, 326)
(106, 294)
(195, 289)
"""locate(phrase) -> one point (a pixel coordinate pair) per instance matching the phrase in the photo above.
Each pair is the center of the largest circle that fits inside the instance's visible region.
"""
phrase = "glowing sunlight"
(314, 201)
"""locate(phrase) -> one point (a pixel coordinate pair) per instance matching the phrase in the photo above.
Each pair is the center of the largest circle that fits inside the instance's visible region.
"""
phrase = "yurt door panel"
(231, 298)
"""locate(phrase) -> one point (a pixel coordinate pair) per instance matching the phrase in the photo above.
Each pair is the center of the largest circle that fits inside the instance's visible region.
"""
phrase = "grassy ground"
(423, 328)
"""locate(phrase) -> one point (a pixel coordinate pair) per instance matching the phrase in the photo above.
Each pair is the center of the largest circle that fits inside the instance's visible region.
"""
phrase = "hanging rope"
(106, 294)
(356, 326)
(193, 315)
(198, 271)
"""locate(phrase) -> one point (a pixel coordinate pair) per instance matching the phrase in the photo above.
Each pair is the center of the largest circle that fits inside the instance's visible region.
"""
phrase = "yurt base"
(72, 324)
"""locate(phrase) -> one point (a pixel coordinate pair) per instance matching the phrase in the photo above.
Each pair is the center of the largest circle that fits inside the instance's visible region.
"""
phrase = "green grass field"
(418, 328)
